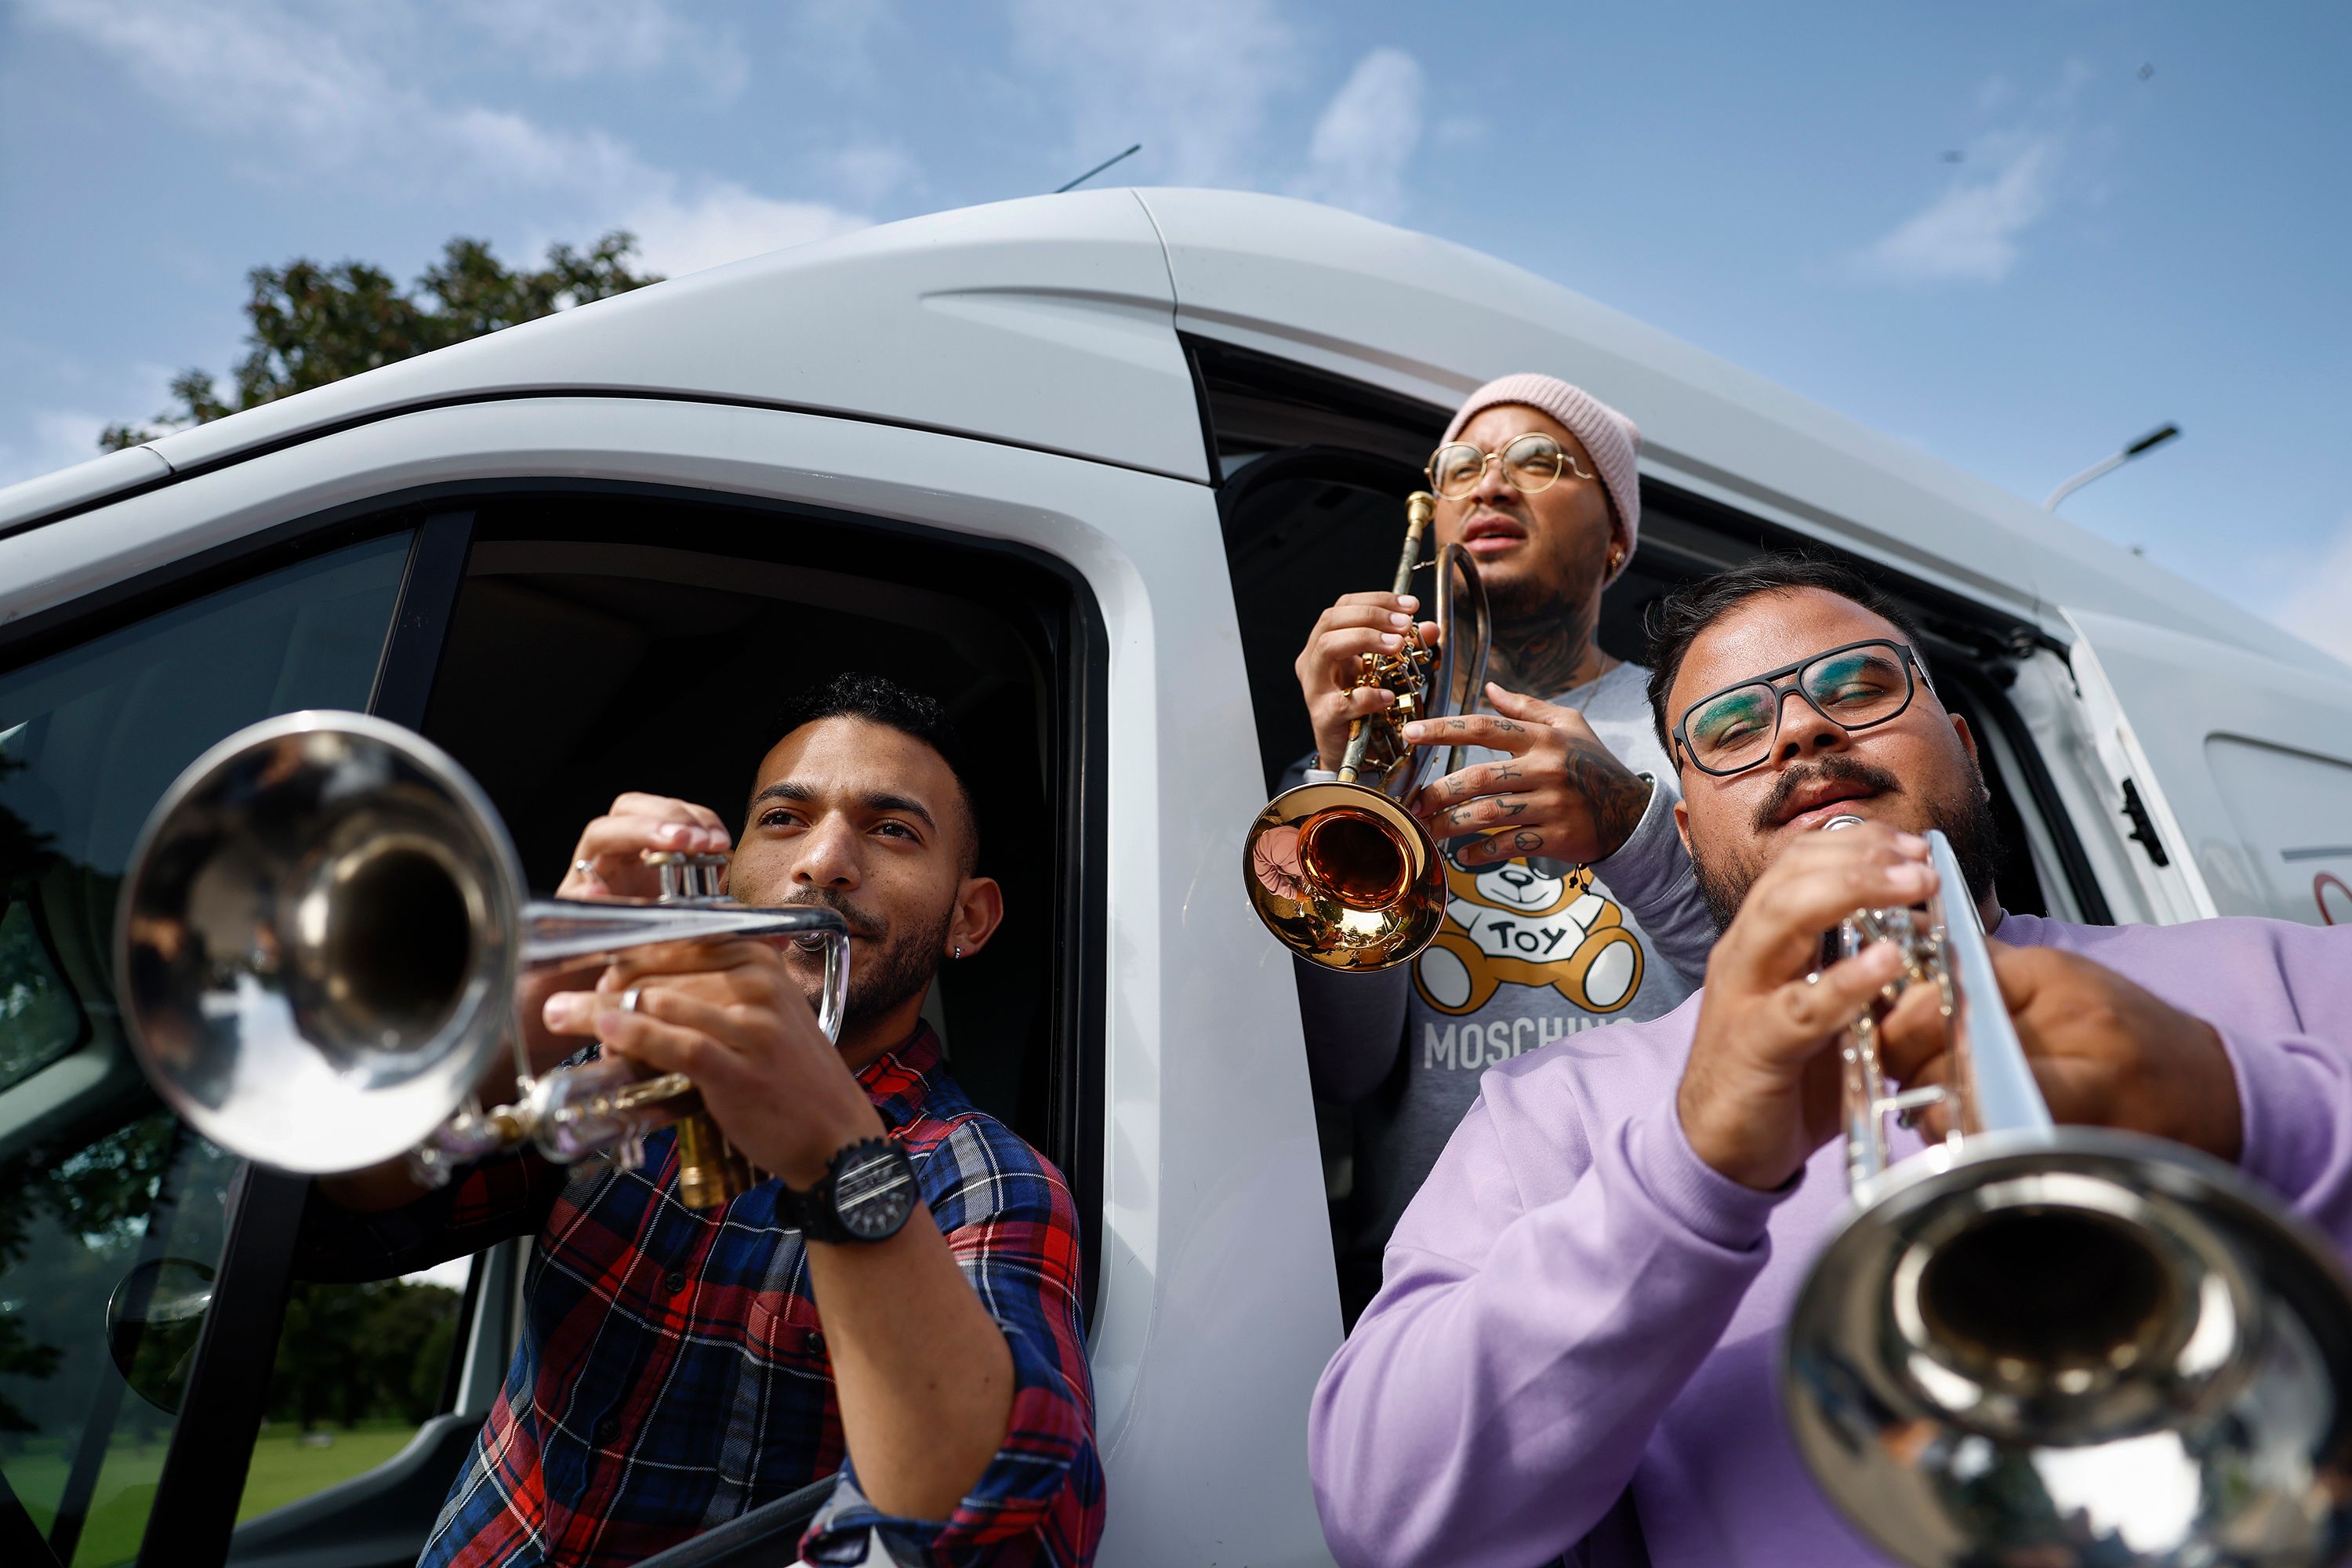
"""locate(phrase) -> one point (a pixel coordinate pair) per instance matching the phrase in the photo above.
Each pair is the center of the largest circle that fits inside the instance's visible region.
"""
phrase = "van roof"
(1043, 322)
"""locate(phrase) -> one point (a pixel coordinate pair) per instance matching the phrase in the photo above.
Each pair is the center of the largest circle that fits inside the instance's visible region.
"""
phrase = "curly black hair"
(878, 699)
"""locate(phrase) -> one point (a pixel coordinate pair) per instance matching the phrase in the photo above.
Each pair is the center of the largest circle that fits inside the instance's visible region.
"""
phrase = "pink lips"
(1490, 533)
(1823, 802)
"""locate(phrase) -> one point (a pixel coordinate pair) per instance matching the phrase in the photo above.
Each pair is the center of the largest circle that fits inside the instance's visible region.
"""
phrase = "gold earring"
(1616, 557)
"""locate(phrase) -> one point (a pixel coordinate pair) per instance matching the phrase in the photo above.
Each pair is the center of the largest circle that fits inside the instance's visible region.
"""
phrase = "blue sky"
(2016, 234)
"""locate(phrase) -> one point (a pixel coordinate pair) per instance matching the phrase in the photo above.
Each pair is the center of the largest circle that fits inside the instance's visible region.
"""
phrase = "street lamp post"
(2153, 439)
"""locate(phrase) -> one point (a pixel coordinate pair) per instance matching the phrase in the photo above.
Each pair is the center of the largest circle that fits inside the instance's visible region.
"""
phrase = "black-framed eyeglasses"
(1853, 686)
(1531, 462)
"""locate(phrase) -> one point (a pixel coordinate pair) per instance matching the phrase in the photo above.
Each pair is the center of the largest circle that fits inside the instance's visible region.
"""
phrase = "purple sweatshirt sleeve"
(1496, 1396)
(2295, 1084)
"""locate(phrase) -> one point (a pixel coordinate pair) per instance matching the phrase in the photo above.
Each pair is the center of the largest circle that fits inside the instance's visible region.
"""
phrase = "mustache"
(1830, 769)
(861, 922)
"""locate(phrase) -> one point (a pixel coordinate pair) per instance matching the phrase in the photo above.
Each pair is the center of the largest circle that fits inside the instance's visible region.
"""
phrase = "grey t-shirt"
(1533, 953)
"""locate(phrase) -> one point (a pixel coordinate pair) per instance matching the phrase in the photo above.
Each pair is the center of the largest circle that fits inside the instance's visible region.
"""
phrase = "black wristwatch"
(866, 1195)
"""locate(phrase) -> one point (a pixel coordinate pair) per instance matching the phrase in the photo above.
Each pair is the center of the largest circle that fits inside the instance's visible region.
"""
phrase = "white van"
(1087, 465)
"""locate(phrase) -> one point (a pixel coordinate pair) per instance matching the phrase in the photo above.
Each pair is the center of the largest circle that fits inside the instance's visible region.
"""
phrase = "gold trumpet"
(1342, 873)
(2059, 1345)
(317, 943)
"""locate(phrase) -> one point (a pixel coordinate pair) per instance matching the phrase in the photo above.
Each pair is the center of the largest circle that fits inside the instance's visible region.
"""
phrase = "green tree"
(310, 324)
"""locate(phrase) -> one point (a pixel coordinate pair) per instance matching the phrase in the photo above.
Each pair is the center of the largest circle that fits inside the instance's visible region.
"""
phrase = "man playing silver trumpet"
(1571, 903)
(901, 1306)
(1577, 1343)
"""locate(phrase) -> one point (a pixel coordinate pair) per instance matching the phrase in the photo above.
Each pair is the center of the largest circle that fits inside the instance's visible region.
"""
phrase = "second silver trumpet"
(2046, 1343)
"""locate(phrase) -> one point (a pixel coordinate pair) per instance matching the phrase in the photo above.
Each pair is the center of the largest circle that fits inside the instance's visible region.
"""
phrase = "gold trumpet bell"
(1344, 876)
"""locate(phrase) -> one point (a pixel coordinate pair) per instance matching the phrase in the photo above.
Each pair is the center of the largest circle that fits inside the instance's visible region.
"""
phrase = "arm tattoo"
(1614, 792)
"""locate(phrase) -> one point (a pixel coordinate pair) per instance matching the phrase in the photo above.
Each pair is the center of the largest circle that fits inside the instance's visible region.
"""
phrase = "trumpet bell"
(2077, 1345)
(312, 941)
(1344, 876)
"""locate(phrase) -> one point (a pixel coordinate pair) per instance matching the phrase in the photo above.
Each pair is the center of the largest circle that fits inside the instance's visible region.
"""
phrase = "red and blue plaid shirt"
(673, 1374)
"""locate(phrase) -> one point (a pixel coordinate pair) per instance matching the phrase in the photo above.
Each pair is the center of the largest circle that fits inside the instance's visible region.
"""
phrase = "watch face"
(873, 1193)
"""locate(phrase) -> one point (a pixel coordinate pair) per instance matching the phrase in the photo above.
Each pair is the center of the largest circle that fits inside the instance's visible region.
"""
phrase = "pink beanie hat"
(1611, 438)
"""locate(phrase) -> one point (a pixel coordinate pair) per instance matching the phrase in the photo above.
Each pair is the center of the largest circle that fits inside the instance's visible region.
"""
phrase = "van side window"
(107, 1189)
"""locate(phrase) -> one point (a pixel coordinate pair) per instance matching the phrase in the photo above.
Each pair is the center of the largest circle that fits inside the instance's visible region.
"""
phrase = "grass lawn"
(283, 1471)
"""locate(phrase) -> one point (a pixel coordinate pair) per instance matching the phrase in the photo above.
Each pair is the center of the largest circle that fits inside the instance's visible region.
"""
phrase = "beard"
(1968, 821)
(899, 962)
(1559, 579)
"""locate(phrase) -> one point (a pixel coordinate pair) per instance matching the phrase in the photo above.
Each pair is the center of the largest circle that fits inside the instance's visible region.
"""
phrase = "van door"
(2231, 769)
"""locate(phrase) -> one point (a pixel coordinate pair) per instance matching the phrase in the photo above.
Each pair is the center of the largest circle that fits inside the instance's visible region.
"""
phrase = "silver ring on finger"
(629, 999)
(1813, 977)
(585, 868)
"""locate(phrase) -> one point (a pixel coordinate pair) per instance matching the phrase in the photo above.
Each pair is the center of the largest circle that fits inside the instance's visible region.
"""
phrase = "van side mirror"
(153, 1322)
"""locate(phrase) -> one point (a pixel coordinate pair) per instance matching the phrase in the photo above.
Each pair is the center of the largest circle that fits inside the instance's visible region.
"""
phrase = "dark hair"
(1676, 621)
(878, 699)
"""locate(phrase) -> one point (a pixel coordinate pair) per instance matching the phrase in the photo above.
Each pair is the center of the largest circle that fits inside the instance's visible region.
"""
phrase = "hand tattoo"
(1614, 792)
(1526, 841)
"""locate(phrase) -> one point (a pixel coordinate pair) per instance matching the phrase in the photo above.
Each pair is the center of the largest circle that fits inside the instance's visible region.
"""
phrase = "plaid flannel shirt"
(672, 1371)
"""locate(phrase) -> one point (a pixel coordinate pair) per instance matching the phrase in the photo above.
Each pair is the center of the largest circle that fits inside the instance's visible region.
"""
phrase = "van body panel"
(2252, 758)
(1217, 1305)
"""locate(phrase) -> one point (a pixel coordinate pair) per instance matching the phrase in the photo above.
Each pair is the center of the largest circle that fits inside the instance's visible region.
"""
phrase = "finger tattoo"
(1526, 841)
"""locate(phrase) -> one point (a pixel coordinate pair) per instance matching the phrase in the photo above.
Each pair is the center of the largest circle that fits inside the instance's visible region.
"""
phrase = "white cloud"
(1969, 234)
(1192, 82)
(839, 38)
(2319, 611)
(867, 173)
(574, 39)
(314, 86)
(722, 222)
(1372, 126)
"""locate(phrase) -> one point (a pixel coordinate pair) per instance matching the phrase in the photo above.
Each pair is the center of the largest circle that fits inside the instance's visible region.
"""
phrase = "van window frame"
(197, 1497)
(1977, 641)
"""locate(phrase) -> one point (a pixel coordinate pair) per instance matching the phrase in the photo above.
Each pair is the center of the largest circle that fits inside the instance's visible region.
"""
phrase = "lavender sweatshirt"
(1579, 1320)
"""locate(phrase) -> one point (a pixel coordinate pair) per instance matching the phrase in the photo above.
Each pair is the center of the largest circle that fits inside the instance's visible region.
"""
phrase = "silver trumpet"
(2065, 1345)
(318, 942)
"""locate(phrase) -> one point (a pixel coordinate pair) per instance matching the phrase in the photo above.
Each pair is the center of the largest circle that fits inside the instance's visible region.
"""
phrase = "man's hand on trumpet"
(2105, 1053)
(1358, 625)
(609, 861)
(731, 1016)
(1561, 793)
(1760, 1093)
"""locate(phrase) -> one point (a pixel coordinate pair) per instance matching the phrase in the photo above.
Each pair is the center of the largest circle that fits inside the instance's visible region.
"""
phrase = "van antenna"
(1097, 169)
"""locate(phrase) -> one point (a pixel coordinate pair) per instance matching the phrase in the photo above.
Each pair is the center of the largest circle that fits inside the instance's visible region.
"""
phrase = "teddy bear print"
(1527, 923)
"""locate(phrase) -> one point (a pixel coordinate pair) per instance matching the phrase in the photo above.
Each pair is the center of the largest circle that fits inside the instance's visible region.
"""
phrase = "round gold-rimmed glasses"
(1531, 462)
